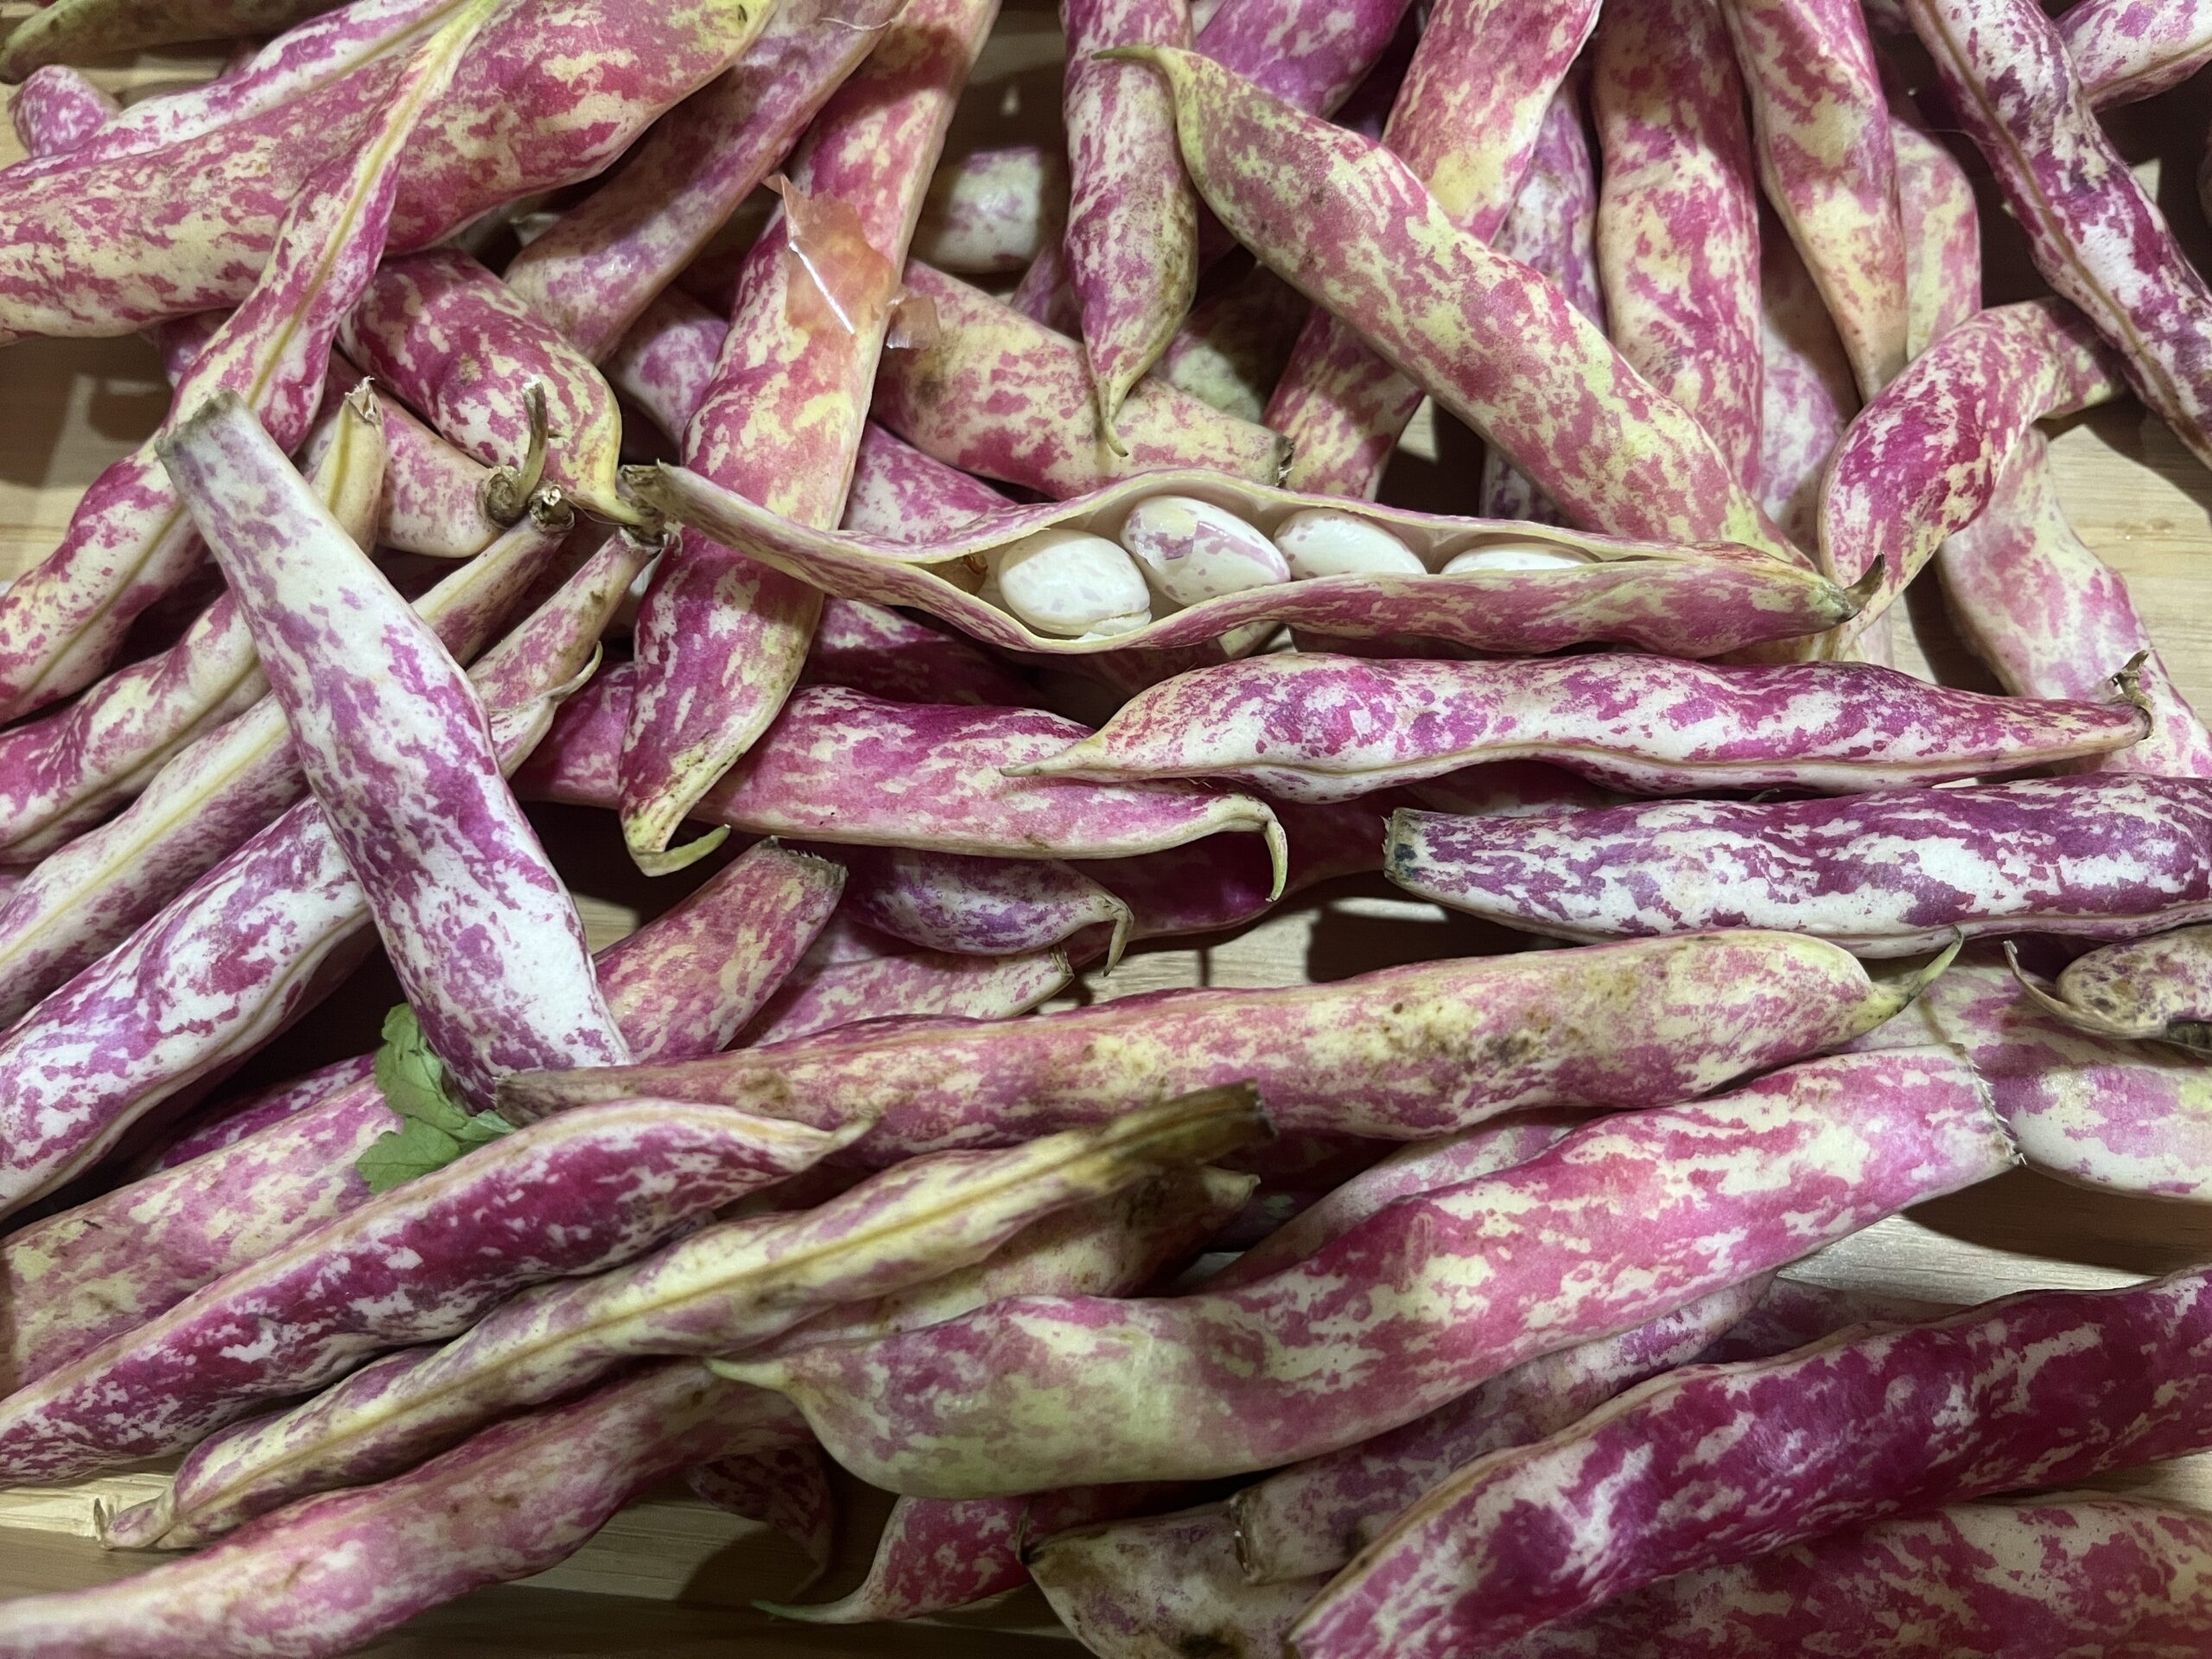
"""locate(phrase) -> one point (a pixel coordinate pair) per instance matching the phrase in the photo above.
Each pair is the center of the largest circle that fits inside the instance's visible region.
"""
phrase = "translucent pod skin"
(1960, 1408)
(840, 767)
(1307, 727)
(1131, 238)
(1494, 343)
(2094, 231)
(1884, 874)
(685, 983)
(410, 1265)
(1384, 1054)
(978, 907)
(1678, 221)
(1553, 229)
(2103, 1112)
(61, 773)
(1822, 127)
(394, 743)
(2038, 606)
(2038, 1579)
(324, 1576)
(2127, 52)
(1407, 1310)
(1922, 459)
(603, 262)
(1312, 1518)
(1465, 122)
(989, 211)
(721, 638)
(180, 1000)
(1007, 397)
(129, 541)
(723, 1289)
(73, 30)
(1685, 599)
(173, 208)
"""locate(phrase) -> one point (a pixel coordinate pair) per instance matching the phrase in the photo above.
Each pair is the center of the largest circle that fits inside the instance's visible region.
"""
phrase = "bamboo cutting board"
(671, 1577)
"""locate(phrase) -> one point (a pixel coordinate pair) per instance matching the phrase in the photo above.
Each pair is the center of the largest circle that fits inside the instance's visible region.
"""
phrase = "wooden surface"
(671, 1577)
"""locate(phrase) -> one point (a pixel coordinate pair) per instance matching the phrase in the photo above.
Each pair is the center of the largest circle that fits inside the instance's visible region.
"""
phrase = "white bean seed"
(1513, 556)
(1064, 583)
(1192, 550)
(1323, 542)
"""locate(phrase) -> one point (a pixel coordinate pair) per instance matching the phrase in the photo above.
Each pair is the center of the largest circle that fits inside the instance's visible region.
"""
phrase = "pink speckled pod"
(902, 494)
(1380, 1054)
(319, 1579)
(73, 30)
(1822, 128)
(232, 1119)
(1884, 874)
(1698, 600)
(1307, 55)
(1793, 1314)
(2038, 606)
(396, 747)
(683, 984)
(1164, 1586)
(1466, 125)
(888, 654)
(1307, 727)
(1232, 349)
(1678, 224)
(787, 1490)
(2094, 231)
(1922, 460)
(594, 272)
(1312, 1518)
(1942, 237)
(664, 364)
(173, 208)
(2037, 1389)
(721, 639)
(69, 769)
(1492, 342)
(2155, 989)
(58, 109)
(571, 1196)
(725, 1288)
(1002, 395)
(2129, 1117)
(450, 339)
(1553, 229)
(436, 498)
(214, 792)
(989, 211)
(978, 907)
(1619, 1223)
(1808, 397)
(2040, 1578)
(2126, 52)
(840, 767)
(1132, 244)
(855, 977)
(129, 541)
(1198, 890)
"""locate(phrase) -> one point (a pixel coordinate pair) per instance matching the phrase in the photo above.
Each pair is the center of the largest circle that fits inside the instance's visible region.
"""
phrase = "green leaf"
(483, 1127)
(399, 1155)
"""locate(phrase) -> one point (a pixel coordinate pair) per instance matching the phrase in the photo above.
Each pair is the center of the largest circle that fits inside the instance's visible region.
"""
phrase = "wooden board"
(671, 1577)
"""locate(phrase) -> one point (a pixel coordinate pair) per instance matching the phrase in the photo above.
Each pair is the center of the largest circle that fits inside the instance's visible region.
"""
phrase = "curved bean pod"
(978, 907)
(2158, 988)
(1868, 1424)
(1164, 1585)
(1410, 1309)
(232, 1121)
(843, 768)
(725, 1288)
(1385, 1054)
(1822, 127)
(394, 743)
(1312, 728)
(822, 994)
(2094, 231)
(1677, 232)
(571, 1196)
(1232, 349)
(329, 1574)
(73, 30)
(1309, 54)
(1694, 600)
(901, 495)
(1884, 874)
(1942, 237)
(989, 211)
(2124, 53)
(2096, 1110)
(1465, 122)
(603, 261)
(1493, 342)
(1005, 397)
(2037, 605)
(1807, 394)
(1131, 236)
(888, 654)
(56, 110)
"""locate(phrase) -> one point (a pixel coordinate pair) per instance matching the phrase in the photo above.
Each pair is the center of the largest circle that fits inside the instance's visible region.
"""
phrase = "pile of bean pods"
(945, 569)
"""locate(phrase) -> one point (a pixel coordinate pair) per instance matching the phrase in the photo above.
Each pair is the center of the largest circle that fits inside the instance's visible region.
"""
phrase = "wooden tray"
(671, 1577)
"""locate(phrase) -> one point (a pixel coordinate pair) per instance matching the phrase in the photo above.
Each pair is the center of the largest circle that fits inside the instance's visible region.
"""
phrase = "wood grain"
(671, 1577)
